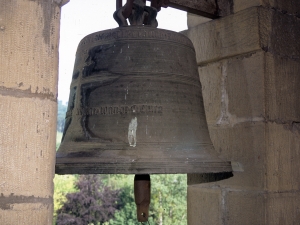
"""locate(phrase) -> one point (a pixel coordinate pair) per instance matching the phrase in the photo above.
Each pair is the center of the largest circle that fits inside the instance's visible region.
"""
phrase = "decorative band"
(131, 33)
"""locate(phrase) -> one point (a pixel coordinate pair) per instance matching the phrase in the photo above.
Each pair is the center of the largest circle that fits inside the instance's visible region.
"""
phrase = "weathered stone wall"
(291, 7)
(29, 33)
(249, 67)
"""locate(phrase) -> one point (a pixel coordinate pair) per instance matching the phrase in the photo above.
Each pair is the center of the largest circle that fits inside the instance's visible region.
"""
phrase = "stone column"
(249, 66)
(29, 35)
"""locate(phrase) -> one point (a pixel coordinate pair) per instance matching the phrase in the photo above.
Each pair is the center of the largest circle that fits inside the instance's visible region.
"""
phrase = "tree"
(95, 203)
(168, 199)
(127, 213)
(63, 184)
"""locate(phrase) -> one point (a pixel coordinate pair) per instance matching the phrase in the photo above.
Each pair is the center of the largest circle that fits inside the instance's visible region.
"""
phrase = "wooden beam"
(200, 7)
(206, 8)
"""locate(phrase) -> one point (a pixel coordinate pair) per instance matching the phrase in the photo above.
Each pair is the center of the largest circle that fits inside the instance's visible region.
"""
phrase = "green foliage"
(94, 203)
(168, 199)
(127, 213)
(117, 181)
(63, 184)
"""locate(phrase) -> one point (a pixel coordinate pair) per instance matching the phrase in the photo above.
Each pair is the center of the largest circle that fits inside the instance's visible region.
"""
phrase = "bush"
(95, 203)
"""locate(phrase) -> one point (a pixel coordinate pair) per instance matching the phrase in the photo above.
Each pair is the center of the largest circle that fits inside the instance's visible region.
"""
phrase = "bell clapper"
(142, 193)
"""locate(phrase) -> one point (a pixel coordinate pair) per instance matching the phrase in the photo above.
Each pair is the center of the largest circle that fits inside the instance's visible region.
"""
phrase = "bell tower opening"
(77, 21)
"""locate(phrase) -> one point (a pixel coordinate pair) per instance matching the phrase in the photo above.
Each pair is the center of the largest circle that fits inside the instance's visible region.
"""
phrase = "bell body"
(136, 107)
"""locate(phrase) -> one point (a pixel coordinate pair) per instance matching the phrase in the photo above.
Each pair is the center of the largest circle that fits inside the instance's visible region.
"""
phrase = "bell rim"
(142, 168)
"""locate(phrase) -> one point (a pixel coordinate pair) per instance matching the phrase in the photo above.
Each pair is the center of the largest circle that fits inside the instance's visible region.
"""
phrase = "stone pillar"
(249, 67)
(29, 35)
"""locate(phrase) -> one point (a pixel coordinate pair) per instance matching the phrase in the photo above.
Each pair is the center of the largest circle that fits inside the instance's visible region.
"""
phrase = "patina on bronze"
(135, 104)
(136, 107)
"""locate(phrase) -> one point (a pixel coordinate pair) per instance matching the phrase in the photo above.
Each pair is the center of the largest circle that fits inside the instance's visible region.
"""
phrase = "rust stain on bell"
(136, 107)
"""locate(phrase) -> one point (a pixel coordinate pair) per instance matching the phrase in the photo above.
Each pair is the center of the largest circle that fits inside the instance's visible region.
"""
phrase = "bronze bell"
(136, 107)
(135, 104)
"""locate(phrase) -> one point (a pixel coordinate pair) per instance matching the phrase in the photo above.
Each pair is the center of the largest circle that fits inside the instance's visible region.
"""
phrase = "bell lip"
(214, 176)
(209, 177)
(143, 168)
(160, 162)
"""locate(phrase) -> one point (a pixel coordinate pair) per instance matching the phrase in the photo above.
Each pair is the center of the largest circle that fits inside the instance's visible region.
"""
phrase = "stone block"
(239, 5)
(255, 124)
(245, 87)
(29, 46)
(233, 89)
(244, 145)
(30, 213)
(234, 99)
(229, 36)
(283, 208)
(283, 157)
(244, 208)
(245, 32)
(210, 204)
(204, 205)
(283, 92)
(194, 20)
(211, 82)
(289, 7)
(27, 140)
(279, 33)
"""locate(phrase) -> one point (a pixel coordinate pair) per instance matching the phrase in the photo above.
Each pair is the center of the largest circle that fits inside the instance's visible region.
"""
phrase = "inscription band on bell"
(112, 110)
